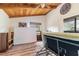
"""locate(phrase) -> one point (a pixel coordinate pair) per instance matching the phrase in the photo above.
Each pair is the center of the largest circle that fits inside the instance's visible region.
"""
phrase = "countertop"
(70, 36)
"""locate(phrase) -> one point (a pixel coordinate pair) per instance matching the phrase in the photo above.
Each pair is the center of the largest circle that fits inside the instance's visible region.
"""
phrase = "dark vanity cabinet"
(52, 44)
(68, 49)
(62, 46)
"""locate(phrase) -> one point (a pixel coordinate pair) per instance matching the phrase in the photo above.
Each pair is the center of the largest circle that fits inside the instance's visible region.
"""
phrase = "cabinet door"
(0, 43)
(52, 44)
(3, 42)
(68, 49)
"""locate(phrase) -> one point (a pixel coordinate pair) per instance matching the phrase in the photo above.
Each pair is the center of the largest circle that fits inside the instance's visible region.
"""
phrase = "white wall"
(55, 19)
(4, 22)
(24, 35)
(39, 19)
(28, 34)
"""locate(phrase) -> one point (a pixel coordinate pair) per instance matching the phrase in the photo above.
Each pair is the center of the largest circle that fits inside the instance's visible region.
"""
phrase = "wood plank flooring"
(21, 50)
(25, 50)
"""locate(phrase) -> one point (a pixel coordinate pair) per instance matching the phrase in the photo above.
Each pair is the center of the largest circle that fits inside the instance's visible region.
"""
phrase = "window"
(71, 24)
(77, 24)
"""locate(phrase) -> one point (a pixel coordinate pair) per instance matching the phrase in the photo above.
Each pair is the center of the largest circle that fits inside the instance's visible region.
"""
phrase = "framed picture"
(22, 24)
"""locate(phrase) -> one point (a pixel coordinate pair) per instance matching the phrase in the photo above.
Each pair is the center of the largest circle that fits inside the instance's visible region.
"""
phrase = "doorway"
(38, 30)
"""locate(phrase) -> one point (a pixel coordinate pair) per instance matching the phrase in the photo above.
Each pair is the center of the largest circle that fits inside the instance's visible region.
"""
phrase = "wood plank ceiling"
(27, 9)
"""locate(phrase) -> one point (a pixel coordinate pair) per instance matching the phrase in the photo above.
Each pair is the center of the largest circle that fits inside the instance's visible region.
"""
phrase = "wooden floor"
(21, 50)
